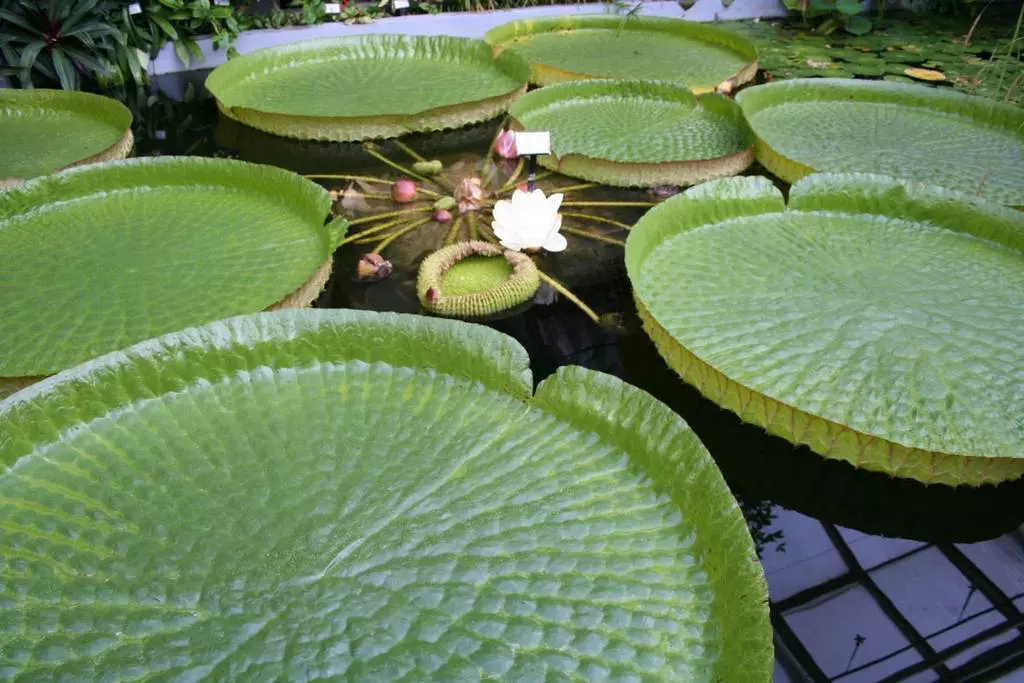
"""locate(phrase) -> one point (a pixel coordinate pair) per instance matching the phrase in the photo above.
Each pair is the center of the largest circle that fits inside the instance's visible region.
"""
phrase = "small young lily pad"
(475, 280)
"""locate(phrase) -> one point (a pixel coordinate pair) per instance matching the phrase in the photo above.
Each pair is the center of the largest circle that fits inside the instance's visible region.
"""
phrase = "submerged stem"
(593, 236)
(471, 219)
(600, 203)
(564, 291)
(364, 178)
(574, 188)
(371, 231)
(398, 233)
(388, 214)
(597, 219)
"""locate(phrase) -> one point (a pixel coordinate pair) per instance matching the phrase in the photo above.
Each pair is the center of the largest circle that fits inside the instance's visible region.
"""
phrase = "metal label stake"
(531, 145)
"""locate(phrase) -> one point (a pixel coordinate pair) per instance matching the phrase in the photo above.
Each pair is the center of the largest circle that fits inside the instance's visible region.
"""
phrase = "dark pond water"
(871, 578)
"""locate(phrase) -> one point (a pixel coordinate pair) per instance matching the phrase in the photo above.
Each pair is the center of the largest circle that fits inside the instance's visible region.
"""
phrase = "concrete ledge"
(464, 24)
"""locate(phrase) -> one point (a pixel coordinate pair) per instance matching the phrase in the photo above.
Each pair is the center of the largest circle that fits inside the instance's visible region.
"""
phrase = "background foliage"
(104, 44)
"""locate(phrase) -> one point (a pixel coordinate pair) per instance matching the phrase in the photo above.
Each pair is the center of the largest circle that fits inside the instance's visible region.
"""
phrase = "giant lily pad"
(365, 497)
(98, 257)
(925, 134)
(371, 86)
(42, 131)
(697, 56)
(637, 132)
(875, 321)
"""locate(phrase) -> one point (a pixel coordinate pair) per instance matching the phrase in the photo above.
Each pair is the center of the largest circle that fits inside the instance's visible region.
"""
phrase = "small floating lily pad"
(99, 257)
(924, 134)
(475, 280)
(373, 495)
(371, 86)
(695, 55)
(43, 131)
(637, 133)
(877, 321)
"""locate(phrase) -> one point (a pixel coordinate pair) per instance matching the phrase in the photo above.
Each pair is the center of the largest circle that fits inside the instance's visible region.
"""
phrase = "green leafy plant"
(845, 14)
(179, 21)
(58, 42)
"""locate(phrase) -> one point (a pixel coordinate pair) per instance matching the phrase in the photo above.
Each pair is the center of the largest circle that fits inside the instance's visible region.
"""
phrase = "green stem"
(398, 167)
(408, 150)
(388, 214)
(561, 289)
(598, 203)
(365, 179)
(488, 235)
(371, 231)
(471, 219)
(453, 232)
(593, 236)
(395, 235)
(597, 219)
(511, 182)
(574, 188)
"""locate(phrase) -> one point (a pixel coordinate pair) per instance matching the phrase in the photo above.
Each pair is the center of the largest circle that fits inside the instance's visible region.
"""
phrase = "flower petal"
(504, 212)
(555, 242)
(555, 201)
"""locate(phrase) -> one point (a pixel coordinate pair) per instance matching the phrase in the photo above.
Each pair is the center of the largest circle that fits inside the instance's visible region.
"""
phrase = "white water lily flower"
(529, 221)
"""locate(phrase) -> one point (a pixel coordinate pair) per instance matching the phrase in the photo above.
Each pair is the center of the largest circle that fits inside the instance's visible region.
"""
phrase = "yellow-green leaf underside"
(875, 320)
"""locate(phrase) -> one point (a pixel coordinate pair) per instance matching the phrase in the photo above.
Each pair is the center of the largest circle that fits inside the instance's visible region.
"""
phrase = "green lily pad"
(371, 86)
(47, 130)
(925, 134)
(98, 257)
(366, 497)
(637, 133)
(876, 320)
(697, 56)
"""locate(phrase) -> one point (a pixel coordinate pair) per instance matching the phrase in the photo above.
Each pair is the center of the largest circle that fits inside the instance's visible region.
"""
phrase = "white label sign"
(399, 4)
(135, 8)
(332, 7)
(222, 3)
(535, 142)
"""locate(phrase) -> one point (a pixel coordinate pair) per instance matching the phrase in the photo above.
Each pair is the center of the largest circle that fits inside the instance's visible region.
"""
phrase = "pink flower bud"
(442, 215)
(505, 145)
(403, 191)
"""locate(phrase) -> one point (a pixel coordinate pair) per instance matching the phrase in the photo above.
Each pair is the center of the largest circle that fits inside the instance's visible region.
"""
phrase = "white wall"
(469, 25)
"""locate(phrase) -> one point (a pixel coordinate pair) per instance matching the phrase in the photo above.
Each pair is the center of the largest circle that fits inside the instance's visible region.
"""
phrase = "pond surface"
(871, 578)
